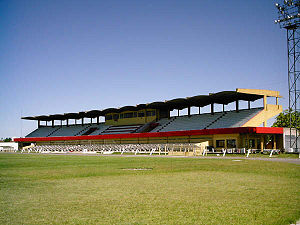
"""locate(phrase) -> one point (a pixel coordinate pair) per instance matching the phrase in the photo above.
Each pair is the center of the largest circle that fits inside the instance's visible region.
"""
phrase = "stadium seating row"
(194, 122)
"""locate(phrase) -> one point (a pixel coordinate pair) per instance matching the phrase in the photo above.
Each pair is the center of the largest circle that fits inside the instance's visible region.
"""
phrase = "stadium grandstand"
(146, 128)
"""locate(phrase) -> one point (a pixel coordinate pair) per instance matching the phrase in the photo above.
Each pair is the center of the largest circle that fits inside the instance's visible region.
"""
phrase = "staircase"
(223, 114)
(83, 130)
(171, 120)
(53, 131)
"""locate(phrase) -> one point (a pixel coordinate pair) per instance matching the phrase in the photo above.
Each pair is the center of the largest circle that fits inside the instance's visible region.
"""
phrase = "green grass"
(58, 189)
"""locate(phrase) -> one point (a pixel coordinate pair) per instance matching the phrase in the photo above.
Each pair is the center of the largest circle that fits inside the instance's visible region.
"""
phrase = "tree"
(7, 140)
(283, 119)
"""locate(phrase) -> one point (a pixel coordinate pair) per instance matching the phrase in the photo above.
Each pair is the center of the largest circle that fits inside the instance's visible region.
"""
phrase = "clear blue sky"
(70, 56)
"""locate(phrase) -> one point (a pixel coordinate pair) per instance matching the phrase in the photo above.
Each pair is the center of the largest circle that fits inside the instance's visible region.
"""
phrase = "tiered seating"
(70, 130)
(96, 129)
(43, 131)
(207, 121)
(121, 129)
(193, 122)
(235, 119)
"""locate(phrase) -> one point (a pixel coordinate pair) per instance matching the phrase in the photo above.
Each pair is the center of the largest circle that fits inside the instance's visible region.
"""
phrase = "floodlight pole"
(289, 18)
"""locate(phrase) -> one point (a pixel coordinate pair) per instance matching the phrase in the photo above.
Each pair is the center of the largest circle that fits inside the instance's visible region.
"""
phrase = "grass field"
(59, 189)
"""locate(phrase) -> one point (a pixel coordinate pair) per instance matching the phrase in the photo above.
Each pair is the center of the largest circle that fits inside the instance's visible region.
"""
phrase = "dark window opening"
(231, 143)
(220, 143)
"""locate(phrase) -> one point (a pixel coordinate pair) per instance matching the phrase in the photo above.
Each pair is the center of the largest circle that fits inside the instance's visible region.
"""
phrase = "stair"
(80, 132)
(223, 114)
(171, 120)
(53, 131)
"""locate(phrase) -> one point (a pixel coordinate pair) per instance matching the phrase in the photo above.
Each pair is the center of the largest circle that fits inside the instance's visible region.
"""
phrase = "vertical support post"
(97, 119)
(265, 102)
(52, 123)
(249, 106)
(91, 120)
(178, 112)
(212, 108)
(82, 121)
(61, 123)
(46, 123)
(189, 111)
(262, 143)
(67, 122)
(223, 107)
(237, 105)
(75, 120)
(274, 142)
(39, 123)
(199, 110)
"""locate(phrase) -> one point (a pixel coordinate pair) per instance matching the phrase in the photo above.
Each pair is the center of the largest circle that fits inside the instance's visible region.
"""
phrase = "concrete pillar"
(39, 123)
(276, 100)
(75, 121)
(265, 102)
(223, 107)
(169, 114)
(189, 111)
(265, 124)
(91, 120)
(178, 112)
(274, 142)
(97, 119)
(199, 110)
(61, 123)
(52, 123)
(46, 123)
(262, 143)
(249, 106)
(82, 121)
(237, 106)
(212, 108)
(67, 122)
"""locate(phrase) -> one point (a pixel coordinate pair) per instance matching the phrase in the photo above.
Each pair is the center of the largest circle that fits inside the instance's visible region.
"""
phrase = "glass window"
(134, 114)
(116, 116)
(108, 117)
(231, 143)
(121, 116)
(252, 143)
(150, 113)
(128, 115)
(141, 114)
(220, 143)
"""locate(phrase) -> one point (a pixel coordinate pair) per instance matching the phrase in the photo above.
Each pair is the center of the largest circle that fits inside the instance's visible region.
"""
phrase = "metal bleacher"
(43, 131)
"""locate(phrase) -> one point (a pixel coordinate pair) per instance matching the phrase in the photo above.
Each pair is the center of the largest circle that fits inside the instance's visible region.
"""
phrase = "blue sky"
(70, 56)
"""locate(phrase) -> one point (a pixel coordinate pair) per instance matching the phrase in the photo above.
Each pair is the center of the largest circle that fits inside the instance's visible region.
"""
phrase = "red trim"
(240, 130)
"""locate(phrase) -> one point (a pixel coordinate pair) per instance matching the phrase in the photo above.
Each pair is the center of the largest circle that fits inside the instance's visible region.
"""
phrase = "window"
(134, 114)
(252, 143)
(121, 116)
(116, 116)
(108, 117)
(128, 115)
(141, 114)
(231, 143)
(150, 113)
(220, 143)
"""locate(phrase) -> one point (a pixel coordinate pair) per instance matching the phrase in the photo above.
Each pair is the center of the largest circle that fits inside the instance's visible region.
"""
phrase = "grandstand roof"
(223, 97)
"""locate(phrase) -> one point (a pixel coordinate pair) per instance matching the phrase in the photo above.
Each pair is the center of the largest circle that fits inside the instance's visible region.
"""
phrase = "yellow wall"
(132, 121)
(269, 112)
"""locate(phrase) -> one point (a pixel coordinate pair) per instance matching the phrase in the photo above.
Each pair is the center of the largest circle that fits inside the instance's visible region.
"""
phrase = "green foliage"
(283, 119)
(7, 140)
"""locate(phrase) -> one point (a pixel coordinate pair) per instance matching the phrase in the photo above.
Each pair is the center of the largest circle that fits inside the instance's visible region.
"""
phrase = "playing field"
(59, 189)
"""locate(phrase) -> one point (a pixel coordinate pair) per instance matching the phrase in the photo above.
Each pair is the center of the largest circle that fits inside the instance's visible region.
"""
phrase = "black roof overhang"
(224, 97)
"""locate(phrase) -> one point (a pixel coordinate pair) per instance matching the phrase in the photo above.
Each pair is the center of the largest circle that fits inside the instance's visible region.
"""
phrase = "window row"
(129, 115)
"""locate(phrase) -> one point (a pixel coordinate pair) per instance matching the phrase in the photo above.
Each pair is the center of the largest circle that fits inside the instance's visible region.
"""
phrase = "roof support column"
(262, 143)
(91, 120)
(223, 107)
(46, 123)
(178, 112)
(52, 123)
(97, 119)
(249, 106)
(168, 113)
(199, 110)
(237, 105)
(61, 123)
(276, 100)
(82, 121)
(189, 111)
(39, 123)
(75, 120)
(212, 108)
(67, 122)
(265, 102)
